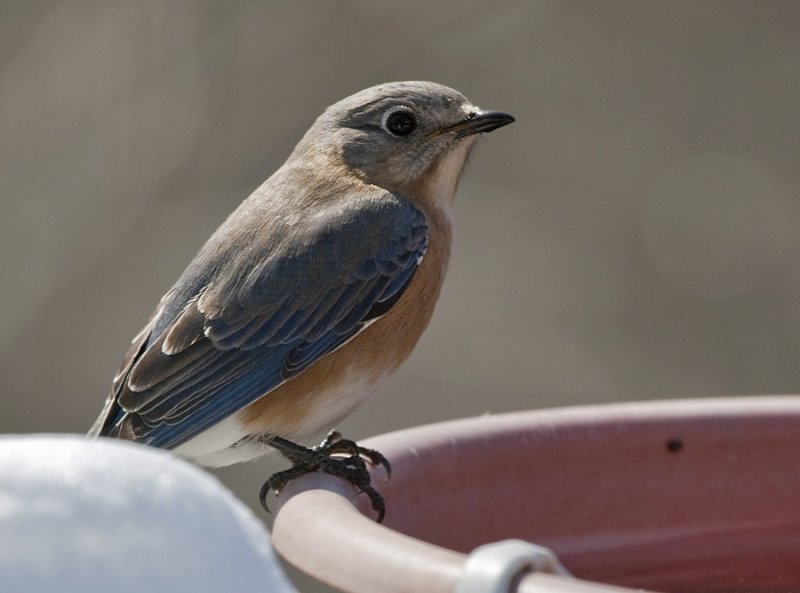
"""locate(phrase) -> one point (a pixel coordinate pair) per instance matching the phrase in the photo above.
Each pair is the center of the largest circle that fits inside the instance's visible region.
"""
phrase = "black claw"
(262, 495)
(335, 456)
(377, 502)
(376, 458)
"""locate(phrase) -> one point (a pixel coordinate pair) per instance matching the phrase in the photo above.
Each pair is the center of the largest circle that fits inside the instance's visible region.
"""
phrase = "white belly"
(220, 445)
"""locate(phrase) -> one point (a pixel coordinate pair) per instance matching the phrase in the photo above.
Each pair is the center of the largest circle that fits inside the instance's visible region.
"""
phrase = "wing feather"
(230, 331)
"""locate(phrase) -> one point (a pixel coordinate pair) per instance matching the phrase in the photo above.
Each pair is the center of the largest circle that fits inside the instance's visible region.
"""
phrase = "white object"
(81, 515)
(492, 568)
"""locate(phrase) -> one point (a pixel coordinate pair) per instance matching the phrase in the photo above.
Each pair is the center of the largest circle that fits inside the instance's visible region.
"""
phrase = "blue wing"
(237, 325)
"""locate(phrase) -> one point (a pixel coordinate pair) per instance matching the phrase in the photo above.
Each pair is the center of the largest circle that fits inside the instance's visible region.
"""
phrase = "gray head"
(392, 134)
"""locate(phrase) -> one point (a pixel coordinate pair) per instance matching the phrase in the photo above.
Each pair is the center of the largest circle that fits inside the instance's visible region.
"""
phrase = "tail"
(106, 423)
(103, 426)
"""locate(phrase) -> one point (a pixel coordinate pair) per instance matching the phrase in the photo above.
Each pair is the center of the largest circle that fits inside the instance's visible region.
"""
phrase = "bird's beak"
(478, 122)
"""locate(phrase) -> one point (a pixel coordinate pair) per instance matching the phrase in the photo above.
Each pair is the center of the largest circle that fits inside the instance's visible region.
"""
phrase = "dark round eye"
(400, 123)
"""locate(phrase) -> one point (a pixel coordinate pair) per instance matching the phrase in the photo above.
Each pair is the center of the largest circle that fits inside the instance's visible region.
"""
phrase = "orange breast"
(332, 387)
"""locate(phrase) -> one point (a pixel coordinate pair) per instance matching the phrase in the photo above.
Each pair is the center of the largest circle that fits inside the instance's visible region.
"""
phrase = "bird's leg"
(335, 456)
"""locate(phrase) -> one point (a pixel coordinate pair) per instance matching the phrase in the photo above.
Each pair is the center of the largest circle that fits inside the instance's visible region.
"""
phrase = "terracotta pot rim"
(320, 529)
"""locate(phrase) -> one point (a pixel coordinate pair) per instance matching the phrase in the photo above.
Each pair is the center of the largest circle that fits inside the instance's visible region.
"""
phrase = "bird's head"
(395, 134)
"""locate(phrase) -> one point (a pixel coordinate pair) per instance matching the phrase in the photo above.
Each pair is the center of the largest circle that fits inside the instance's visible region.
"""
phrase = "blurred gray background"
(633, 236)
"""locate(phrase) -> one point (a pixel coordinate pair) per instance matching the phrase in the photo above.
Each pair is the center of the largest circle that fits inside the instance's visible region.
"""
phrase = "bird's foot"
(335, 456)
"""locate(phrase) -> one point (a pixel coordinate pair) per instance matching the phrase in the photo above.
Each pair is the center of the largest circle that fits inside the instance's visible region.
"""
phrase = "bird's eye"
(400, 122)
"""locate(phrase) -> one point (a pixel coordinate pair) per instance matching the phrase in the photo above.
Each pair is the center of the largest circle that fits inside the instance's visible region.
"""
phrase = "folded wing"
(243, 320)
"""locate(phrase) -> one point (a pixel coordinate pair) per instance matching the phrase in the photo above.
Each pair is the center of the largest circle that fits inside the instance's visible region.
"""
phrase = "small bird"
(309, 295)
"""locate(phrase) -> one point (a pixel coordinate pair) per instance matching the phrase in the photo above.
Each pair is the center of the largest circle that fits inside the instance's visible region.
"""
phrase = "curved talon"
(372, 456)
(275, 483)
(262, 496)
(376, 458)
(377, 502)
(335, 456)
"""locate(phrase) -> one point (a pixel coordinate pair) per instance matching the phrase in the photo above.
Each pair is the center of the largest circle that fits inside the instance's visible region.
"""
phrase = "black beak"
(479, 122)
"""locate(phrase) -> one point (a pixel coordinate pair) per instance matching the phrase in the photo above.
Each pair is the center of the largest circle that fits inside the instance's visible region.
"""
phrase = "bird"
(309, 295)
